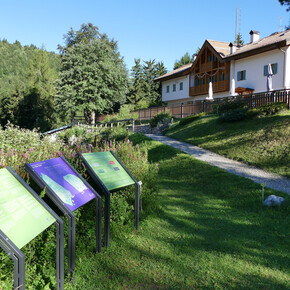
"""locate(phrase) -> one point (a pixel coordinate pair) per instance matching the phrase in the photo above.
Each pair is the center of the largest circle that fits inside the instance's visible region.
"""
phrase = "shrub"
(269, 109)
(191, 118)
(42, 248)
(233, 115)
(254, 113)
(77, 135)
(14, 137)
(230, 105)
(160, 118)
(125, 112)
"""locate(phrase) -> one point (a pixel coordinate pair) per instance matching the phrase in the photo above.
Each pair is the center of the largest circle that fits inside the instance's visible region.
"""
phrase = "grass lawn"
(207, 229)
(261, 142)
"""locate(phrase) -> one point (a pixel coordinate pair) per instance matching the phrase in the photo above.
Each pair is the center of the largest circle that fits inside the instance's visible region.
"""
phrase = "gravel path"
(271, 180)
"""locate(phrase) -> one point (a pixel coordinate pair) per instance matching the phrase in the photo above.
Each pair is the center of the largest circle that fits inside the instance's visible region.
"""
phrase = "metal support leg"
(98, 224)
(71, 244)
(59, 255)
(19, 271)
(107, 220)
(18, 259)
(137, 204)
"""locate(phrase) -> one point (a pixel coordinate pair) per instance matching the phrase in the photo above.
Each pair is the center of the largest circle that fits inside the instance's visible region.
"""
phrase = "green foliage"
(286, 3)
(269, 109)
(239, 39)
(14, 137)
(262, 142)
(160, 118)
(80, 135)
(229, 105)
(191, 118)
(40, 253)
(125, 112)
(186, 59)
(272, 109)
(93, 78)
(143, 90)
(86, 34)
(233, 115)
(27, 76)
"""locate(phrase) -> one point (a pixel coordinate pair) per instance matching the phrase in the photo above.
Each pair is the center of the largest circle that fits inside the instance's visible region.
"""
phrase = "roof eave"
(252, 52)
(173, 76)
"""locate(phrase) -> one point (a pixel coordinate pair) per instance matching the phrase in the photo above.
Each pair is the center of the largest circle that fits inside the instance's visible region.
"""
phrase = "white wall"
(177, 95)
(287, 67)
(254, 67)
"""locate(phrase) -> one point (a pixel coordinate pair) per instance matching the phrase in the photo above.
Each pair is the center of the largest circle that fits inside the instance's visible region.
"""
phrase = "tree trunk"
(93, 117)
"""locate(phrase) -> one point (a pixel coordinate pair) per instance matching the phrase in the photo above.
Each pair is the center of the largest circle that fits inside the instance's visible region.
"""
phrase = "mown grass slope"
(207, 229)
(263, 142)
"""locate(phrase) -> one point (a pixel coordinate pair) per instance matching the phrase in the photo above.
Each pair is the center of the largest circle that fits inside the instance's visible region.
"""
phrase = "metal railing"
(183, 110)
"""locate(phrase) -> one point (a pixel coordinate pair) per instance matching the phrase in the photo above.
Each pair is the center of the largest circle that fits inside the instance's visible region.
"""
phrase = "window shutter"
(239, 76)
(265, 70)
(275, 68)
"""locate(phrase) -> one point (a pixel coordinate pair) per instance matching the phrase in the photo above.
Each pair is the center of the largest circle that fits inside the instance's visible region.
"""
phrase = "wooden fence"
(183, 110)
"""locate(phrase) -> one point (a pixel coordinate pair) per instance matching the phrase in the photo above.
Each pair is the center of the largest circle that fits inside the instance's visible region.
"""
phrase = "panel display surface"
(22, 217)
(64, 182)
(108, 169)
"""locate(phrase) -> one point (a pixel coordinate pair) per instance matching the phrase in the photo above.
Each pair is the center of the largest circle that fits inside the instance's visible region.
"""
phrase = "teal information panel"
(22, 217)
(108, 169)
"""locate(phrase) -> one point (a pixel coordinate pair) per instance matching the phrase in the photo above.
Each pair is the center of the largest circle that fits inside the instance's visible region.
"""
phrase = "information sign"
(108, 169)
(64, 182)
(19, 211)
(69, 191)
(110, 174)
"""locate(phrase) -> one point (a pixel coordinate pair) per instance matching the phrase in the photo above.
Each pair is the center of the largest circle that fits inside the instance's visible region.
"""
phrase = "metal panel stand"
(71, 242)
(98, 224)
(107, 217)
(137, 203)
(59, 254)
(18, 259)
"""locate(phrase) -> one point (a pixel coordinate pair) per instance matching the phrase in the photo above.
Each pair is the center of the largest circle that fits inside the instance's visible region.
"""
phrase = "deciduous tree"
(92, 80)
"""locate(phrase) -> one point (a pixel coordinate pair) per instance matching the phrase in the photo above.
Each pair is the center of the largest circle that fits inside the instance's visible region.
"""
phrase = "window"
(174, 87)
(274, 69)
(214, 79)
(222, 77)
(202, 81)
(167, 89)
(209, 58)
(180, 86)
(196, 82)
(241, 75)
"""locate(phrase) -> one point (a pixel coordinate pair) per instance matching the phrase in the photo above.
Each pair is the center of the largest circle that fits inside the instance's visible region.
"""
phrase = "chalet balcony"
(217, 87)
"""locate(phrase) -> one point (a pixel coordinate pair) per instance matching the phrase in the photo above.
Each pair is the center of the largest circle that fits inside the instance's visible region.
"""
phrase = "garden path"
(271, 180)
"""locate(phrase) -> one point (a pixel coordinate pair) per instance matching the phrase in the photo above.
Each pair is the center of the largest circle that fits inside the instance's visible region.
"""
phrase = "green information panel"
(22, 217)
(108, 169)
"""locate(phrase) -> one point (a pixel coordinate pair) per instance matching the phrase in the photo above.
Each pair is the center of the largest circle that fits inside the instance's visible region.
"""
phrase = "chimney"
(255, 36)
(233, 47)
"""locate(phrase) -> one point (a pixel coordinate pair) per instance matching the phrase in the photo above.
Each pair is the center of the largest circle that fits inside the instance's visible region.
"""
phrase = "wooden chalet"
(210, 66)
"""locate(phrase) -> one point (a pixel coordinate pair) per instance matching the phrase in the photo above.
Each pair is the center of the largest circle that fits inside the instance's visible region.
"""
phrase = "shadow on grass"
(213, 130)
(225, 212)
(210, 232)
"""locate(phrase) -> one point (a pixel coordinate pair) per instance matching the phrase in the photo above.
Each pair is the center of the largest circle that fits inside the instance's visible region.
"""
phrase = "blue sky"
(161, 29)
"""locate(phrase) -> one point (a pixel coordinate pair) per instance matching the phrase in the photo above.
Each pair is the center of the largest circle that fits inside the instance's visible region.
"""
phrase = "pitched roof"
(181, 71)
(221, 47)
(275, 40)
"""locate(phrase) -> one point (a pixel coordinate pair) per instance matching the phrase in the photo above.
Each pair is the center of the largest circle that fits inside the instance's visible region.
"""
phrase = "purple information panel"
(63, 182)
